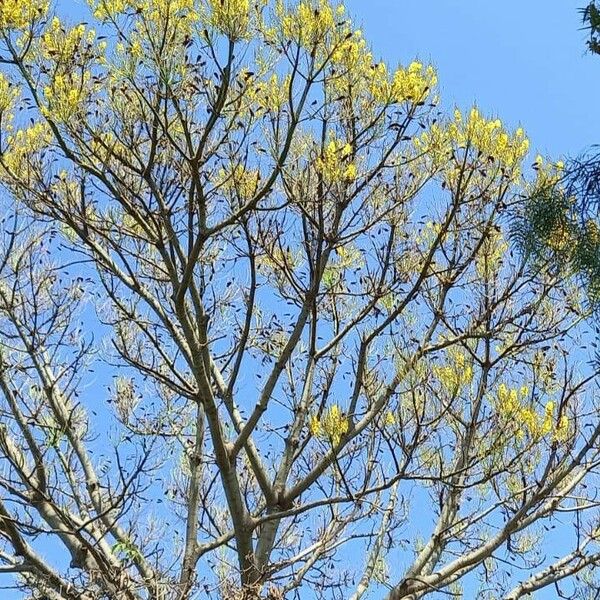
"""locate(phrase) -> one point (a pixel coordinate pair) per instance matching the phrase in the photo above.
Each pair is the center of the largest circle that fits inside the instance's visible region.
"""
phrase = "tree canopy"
(560, 222)
(262, 334)
(591, 21)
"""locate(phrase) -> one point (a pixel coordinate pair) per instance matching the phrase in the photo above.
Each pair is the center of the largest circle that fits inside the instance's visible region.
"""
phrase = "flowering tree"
(261, 334)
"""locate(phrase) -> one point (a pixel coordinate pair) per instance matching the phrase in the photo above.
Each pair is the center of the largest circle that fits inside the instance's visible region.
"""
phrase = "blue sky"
(521, 60)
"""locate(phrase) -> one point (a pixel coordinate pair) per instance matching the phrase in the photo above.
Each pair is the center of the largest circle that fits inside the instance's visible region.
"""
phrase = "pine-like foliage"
(559, 221)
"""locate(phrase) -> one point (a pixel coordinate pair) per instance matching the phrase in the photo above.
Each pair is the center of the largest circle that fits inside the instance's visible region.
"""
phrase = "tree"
(560, 218)
(591, 21)
(260, 331)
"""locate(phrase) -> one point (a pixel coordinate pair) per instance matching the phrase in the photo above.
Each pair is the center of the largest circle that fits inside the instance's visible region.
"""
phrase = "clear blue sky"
(521, 60)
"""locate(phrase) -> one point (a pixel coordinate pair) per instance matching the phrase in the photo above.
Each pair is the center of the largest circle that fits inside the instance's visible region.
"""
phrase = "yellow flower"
(511, 408)
(8, 94)
(457, 372)
(65, 94)
(349, 256)
(270, 95)
(109, 9)
(60, 44)
(508, 400)
(20, 14)
(315, 426)
(390, 418)
(158, 14)
(230, 17)
(561, 432)
(434, 145)
(489, 138)
(547, 424)
(335, 163)
(413, 83)
(242, 182)
(310, 23)
(23, 146)
(332, 425)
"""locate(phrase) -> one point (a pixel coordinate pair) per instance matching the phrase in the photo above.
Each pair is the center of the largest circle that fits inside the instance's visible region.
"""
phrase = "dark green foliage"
(591, 21)
(557, 229)
(545, 214)
(586, 259)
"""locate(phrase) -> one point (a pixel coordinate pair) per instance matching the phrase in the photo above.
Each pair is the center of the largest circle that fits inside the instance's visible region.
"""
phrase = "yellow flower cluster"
(355, 68)
(352, 52)
(434, 146)
(413, 83)
(66, 49)
(20, 14)
(176, 13)
(349, 256)
(105, 145)
(65, 95)
(389, 419)
(332, 425)
(23, 145)
(8, 94)
(273, 94)
(510, 405)
(547, 172)
(109, 9)
(491, 253)
(239, 180)
(335, 164)
(311, 23)
(268, 95)
(457, 373)
(59, 44)
(356, 73)
(230, 17)
(489, 138)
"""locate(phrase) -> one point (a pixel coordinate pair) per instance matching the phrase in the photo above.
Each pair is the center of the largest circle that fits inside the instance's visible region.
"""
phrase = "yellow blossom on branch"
(434, 146)
(20, 14)
(274, 93)
(390, 418)
(511, 407)
(109, 9)
(489, 138)
(57, 42)
(413, 83)
(456, 373)
(335, 164)
(230, 17)
(332, 425)
(311, 22)
(23, 147)
(8, 94)
(64, 95)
